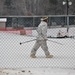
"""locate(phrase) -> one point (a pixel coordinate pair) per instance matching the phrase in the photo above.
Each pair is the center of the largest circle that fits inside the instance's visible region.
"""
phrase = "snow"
(15, 57)
(36, 71)
(3, 19)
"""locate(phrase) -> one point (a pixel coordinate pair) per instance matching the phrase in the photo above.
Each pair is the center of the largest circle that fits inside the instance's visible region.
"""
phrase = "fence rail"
(33, 21)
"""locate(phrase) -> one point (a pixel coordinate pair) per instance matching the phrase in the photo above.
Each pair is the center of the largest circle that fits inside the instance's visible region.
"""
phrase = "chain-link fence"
(60, 20)
(14, 55)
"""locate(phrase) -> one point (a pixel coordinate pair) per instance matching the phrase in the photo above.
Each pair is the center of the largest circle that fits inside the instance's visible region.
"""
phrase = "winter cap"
(44, 18)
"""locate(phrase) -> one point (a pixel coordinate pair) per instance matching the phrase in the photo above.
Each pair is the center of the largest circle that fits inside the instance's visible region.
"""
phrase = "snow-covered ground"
(16, 56)
(36, 71)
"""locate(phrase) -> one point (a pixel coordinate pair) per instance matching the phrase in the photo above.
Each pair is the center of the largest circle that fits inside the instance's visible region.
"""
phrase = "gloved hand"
(46, 39)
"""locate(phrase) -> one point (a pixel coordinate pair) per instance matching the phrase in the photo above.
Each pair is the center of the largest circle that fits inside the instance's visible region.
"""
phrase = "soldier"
(41, 39)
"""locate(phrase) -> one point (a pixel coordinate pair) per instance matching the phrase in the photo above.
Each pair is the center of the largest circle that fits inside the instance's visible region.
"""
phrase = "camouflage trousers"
(42, 44)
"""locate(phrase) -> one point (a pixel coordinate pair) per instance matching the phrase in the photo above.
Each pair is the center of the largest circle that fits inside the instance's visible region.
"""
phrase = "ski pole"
(27, 41)
(55, 42)
(35, 39)
(30, 36)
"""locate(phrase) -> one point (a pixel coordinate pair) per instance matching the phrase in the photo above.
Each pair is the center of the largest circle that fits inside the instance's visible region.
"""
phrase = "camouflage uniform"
(41, 40)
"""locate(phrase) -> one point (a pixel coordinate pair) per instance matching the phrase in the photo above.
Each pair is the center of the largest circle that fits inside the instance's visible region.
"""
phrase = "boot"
(32, 56)
(49, 56)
